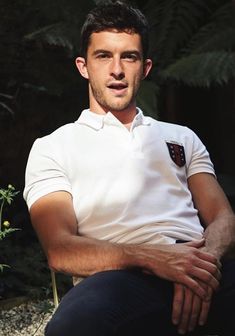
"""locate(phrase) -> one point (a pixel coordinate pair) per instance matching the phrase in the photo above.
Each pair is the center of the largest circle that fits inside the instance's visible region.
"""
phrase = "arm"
(215, 213)
(218, 218)
(54, 220)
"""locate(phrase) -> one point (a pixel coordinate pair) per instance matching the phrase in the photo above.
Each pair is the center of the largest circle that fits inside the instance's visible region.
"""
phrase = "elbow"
(52, 264)
(54, 261)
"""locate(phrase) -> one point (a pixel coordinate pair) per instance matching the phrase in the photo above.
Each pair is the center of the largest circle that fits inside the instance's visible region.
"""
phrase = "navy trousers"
(131, 303)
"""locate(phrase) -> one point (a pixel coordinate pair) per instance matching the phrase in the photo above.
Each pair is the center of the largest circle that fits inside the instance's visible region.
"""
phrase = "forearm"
(81, 256)
(220, 235)
(215, 212)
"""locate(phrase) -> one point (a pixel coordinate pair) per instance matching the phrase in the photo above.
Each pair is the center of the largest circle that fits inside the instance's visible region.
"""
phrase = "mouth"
(118, 87)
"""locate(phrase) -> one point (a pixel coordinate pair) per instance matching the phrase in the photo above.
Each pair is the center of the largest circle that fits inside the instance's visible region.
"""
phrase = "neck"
(125, 117)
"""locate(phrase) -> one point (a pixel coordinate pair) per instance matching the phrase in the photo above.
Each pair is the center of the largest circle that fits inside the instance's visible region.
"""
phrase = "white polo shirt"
(127, 186)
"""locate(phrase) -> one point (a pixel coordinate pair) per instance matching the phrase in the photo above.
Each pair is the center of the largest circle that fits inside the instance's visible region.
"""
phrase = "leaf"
(7, 108)
(6, 96)
(2, 266)
(173, 23)
(55, 34)
(217, 33)
(6, 232)
(202, 69)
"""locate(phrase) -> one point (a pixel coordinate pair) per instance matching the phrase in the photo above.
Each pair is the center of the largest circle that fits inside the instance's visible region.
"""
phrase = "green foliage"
(38, 35)
(6, 232)
(29, 275)
(2, 266)
(217, 33)
(192, 41)
(212, 67)
(6, 197)
(4, 105)
(54, 35)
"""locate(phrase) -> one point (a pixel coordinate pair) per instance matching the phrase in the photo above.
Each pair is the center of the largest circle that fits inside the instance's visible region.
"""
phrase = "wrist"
(214, 249)
(137, 256)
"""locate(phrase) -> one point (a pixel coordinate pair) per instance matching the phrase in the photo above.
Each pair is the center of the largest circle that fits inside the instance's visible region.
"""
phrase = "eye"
(102, 56)
(132, 57)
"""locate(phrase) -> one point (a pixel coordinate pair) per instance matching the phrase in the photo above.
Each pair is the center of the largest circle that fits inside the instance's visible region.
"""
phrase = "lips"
(117, 86)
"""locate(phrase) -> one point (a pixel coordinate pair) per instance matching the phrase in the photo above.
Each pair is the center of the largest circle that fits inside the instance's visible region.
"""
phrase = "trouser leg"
(115, 303)
(126, 303)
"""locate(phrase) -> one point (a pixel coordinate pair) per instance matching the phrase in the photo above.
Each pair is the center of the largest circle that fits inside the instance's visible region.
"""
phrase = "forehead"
(115, 40)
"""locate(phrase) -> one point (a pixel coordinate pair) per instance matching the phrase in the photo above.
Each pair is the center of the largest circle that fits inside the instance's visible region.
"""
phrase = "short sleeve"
(200, 161)
(44, 172)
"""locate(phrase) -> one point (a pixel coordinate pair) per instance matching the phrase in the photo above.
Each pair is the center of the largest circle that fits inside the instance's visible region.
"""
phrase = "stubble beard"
(115, 104)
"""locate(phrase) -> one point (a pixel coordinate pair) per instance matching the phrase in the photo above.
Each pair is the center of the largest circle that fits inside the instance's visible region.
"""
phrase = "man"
(116, 197)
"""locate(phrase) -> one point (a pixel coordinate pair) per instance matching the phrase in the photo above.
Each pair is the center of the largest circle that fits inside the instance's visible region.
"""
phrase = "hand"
(188, 309)
(183, 263)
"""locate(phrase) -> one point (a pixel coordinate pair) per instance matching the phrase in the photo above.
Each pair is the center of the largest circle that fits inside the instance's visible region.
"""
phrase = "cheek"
(95, 72)
(137, 79)
(96, 79)
(136, 74)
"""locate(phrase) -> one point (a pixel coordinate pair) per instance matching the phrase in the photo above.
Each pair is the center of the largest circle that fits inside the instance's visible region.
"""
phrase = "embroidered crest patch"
(177, 153)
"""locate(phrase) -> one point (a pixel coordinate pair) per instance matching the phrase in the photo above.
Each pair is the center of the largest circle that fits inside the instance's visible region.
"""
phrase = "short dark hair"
(116, 15)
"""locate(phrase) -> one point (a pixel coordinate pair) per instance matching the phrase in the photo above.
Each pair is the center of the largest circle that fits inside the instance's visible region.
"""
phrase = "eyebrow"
(100, 51)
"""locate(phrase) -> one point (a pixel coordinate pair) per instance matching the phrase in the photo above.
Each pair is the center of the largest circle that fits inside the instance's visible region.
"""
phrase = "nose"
(117, 70)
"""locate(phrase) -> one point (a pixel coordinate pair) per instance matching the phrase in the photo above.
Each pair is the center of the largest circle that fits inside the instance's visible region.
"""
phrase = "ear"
(82, 68)
(147, 67)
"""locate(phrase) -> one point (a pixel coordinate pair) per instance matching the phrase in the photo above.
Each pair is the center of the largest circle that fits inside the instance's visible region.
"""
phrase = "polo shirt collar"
(97, 121)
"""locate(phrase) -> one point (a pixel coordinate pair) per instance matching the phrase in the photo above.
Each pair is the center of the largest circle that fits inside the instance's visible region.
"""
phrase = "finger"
(195, 314)
(206, 256)
(204, 276)
(195, 286)
(205, 310)
(178, 301)
(209, 267)
(186, 312)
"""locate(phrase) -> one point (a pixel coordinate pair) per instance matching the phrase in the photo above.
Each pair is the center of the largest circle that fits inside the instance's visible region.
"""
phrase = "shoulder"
(177, 134)
(61, 135)
(171, 130)
(63, 131)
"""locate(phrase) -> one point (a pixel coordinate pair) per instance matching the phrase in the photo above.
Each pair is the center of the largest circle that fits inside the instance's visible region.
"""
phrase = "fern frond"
(2, 266)
(55, 34)
(203, 69)
(6, 108)
(206, 37)
(223, 40)
(173, 23)
(160, 16)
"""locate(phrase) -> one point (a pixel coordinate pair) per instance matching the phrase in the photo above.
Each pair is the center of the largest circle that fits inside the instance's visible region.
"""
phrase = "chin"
(119, 107)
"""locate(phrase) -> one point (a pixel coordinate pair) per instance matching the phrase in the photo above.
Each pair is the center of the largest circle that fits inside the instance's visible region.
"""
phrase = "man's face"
(114, 68)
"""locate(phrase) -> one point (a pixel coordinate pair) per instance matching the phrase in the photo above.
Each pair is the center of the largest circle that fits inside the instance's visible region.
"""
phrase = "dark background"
(40, 90)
